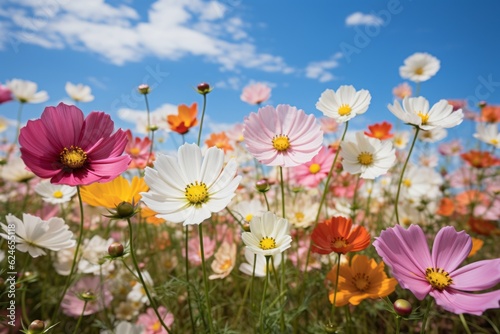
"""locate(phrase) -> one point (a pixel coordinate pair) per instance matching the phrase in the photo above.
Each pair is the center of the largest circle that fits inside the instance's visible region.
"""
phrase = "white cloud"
(358, 18)
(171, 29)
(320, 70)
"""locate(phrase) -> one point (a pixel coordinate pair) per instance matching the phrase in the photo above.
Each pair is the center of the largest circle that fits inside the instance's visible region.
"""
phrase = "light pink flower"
(5, 94)
(139, 150)
(150, 321)
(451, 148)
(406, 252)
(284, 136)
(313, 172)
(69, 149)
(194, 251)
(256, 93)
(328, 125)
(72, 303)
(402, 90)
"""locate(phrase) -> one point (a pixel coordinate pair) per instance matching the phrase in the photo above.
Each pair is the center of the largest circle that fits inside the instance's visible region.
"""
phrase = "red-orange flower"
(480, 159)
(185, 118)
(337, 235)
(483, 227)
(380, 131)
(219, 140)
(446, 207)
(476, 245)
(490, 114)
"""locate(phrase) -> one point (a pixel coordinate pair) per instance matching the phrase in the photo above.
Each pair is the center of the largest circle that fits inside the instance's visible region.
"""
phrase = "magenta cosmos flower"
(284, 136)
(69, 149)
(407, 253)
(313, 172)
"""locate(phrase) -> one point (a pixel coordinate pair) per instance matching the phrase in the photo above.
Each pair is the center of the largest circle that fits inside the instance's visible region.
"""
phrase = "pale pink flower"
(458, 104)
(451, 148)
(402, 90)
(256, 93)
(406, 252)
(313, 172)
(194, 251)
(139, 149)
(149, 321)
(225, 259)
(328, 125)
(284, 136)
(300, 257)
(73, 304)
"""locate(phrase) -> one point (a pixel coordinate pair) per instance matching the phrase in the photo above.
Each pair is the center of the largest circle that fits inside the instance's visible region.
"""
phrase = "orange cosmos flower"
(490, 114)
(480, 159)
(476, 245)
(219, 140)
(184, 120)
(380, 131)
(150, 216)
(446, 207)
(337, 235)
(482, 226)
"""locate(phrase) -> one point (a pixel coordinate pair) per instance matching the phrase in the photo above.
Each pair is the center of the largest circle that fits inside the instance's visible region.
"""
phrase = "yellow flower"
(110, 194)
(363, 279)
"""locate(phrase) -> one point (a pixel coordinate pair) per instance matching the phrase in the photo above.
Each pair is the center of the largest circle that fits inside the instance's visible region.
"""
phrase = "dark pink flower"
(5, 94)
(313, 172)
(407, 253)
(69, 149)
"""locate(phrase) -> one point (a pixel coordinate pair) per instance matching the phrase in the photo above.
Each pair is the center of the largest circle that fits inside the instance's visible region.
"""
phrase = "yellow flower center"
(135, 151)
(57, 194)
(226, 265)
(156, 326)
(299, 216)
(281, 143)
(361, 281)
(267, 243)
(494, 141)
(407, 183)
(424, 117)
(249, 217)
(74, 157)
(344, 110)
(365, 158)
(339, 242)
(196, 193)
(314, 168)
(438, 278)
(419, 71)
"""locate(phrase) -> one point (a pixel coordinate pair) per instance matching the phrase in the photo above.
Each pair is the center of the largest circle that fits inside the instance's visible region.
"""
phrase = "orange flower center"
(267, 243)
(339, 242)
(196, 193)
(299, 216)
(74, 157)
(281, 143)
(226, 265)
(419, 71)
(361, 281)
(438, 278)
(344, 110)
(135, 151)
(156, 326)
(365, 158)
(314, 168)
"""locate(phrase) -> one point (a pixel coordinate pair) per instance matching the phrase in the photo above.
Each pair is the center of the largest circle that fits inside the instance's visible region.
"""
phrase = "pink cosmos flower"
(63, 146)
(194, 251)
(406, 252)
(98, 297)
(284, 136)
(256, 93)
(5, 94)
(451, 148)
(139, 150)
(328, 125)
(313, 172)
(150, 321)
(402, 90)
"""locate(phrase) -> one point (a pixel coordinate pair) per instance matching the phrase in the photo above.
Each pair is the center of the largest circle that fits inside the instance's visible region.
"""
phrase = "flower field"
(284, 223)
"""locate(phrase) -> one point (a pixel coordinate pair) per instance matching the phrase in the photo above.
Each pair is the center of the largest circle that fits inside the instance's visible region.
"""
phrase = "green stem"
(80, 318)
(202, 117)
(261, 312)
(402, 174)
(464, 323)
(186, 264)
(332, 315)
(205, 280)
(141, 278)
(282, 280)
(354, 205)
(148, 114)
(398, 324)
(426, 316)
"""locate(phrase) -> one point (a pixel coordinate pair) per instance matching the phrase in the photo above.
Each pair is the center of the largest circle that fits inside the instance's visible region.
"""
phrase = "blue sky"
(299, 48)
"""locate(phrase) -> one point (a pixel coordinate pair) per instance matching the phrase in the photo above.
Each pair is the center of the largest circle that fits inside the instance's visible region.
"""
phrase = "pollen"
(299, 216)
(73, 157)
(438, 278)
(365, 158)
(419, 71)
(267, 243)
(339, 242)
(196, 193)
(345, 110)
(57, 194)
(281, 143)
(361, 281)
(424, 117)
(248, 217)
(314, 168)
(407, 183)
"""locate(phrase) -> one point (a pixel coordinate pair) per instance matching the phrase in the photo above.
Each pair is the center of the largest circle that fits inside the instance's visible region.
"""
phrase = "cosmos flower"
(5, 94)
(190, 188)
(90, 289)
(328, 125)
(360, 279)
(401, 139)
(437, 274)
(25, 91)
(55, 193)
(490, 114)
(149, 321)
(139, 150)
(219, 140)
(69, 149)
(15, 171)
(488, 133)
(256, 93)
(380, 131)
(124, 327)
(451, 148)
(343, 104)
(480, 159)
(415, 111)
(402, 90)
(311, 173)
(225, 259)
(34, 234)
(367, 156)
(433, 135)
(258, 261)
(284, 136)
(419, 67)
(185, 118)
(79, 92)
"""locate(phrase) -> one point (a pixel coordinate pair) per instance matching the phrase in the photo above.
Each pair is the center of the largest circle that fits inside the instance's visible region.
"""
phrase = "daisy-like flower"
(225, 259)
(87, 296)
(490, 114)
(284, 136)
(421, 182)
(249, 209)
(15, 171)
(480, 159)
(488, 133)
(401, 139)
(451, 148)
(360, 279)
(258, 261)
(402, 90)
(328, 125)
(419, 67)
(337, 235)
(415, 111)
(313, 172)
(458, 104)
(139, 150)
(269, 235)
(149, 321)
(124, 327)
(433, 135)
(184, 120)
(367, 156)
(219, 140)
(380, 131)
(190, 188)
(344, 104)
(5, 94)
(25, 91)
(33, 234)
(69, 149)
(79, 92)
(406, 252)
(55, 193)
(256, 93)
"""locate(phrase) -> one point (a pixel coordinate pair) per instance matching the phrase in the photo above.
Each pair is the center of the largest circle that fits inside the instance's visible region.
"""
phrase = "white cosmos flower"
(401, 139)
(432, 135)
(15, 171)
(488, 133)
(125, 327)
(416, 111)
(343, 104)
(261, 267)
(79, 92)
(190, 188)
(33, 234)
(269, 235)
(420, 182)
(55, 193)
(248, 209)
(367, 156)
(26, 91)
(419, 67)
(92, 252)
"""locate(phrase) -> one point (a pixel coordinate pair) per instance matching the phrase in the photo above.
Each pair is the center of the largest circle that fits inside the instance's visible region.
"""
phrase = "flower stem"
(464, 323)
(261, 312)
(202, 117)
(426, 316)
(186, 263)
(80, 318)
(398, 324)
(205, 280)
(282, 280)
(402, 174)
(332, 315)
(141, 278)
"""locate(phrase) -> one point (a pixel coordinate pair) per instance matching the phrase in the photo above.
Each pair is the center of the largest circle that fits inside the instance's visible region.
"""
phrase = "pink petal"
(97, 125)
(63, 124)
(477, 276)
(450, 248)
(461, 302)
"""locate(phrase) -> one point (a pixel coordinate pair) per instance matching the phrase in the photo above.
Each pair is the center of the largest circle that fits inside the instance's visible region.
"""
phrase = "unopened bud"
(203, 88)
(115, 249)
(482, 104)
(262, 185)
(37, 326)
(87, 296)
(402, 307)
(125, 210)
(144, 89)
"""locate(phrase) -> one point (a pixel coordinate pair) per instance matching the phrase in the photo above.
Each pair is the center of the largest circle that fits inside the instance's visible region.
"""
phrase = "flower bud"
(88, 296)
(37, 326)
(144, 89)
(482, 104)
(262, 185)
(125, 210)
(115, 249)
(203, 88)
(402, 307)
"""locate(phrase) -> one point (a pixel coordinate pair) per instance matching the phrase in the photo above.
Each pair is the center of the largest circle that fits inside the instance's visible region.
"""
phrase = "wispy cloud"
(358, 18)
(320, 70)
(171, 29)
